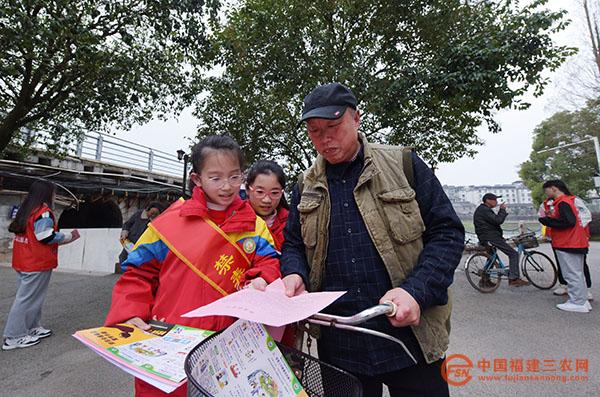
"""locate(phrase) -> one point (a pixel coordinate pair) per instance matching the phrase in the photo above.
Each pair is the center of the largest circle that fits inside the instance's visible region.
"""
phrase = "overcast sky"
(497, 161)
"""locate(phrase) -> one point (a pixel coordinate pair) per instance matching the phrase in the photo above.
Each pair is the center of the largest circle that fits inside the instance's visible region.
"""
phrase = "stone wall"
(97, 251)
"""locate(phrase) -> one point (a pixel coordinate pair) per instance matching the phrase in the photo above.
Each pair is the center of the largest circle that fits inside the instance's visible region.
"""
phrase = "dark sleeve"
(293, 254)
(495, 219)
(566, 219)
(443, 241)
(129, 224)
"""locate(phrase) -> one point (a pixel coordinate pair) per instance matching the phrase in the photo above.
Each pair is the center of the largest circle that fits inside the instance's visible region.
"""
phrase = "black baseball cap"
(490, 196)
(328, 101)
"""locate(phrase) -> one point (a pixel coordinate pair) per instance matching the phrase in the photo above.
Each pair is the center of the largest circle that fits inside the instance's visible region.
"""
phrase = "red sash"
(206, 249)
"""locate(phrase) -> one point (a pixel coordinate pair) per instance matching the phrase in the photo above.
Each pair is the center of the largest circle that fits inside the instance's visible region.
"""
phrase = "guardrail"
(116, 151)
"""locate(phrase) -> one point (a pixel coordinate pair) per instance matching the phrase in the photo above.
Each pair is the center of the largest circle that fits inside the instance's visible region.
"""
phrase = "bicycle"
(317, 377)
(485, 269)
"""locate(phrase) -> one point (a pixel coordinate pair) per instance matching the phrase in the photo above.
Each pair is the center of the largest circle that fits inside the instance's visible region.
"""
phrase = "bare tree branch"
(593, 37)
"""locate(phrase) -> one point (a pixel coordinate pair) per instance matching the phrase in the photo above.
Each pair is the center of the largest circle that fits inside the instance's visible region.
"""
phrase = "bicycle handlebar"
(387, 308)
(349, 323)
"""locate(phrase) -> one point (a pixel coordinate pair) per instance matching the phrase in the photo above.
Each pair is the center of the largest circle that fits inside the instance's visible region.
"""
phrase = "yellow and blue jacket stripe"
(150, 247)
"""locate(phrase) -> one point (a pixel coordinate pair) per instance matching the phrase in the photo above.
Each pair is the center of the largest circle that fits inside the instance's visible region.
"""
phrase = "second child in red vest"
(266, 183)
(196, 252)
(570, 240)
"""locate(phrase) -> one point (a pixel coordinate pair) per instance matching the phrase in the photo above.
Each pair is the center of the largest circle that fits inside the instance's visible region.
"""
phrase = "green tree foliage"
(427, 73)
(68, 65)
(575, 165)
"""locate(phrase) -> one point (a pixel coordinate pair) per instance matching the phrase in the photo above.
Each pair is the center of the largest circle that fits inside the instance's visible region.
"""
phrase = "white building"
(514, 193)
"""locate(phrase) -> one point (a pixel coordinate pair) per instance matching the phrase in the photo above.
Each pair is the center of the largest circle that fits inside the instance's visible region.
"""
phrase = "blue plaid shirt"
(354, 265)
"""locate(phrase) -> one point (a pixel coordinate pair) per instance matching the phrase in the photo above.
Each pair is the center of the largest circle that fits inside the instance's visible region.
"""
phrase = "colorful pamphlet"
(245, 361)
(270, 307)
(156, 356)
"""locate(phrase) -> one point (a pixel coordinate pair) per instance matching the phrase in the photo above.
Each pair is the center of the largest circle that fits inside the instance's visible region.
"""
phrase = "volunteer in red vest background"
(570, 240)
(548, 205)
(35, 254)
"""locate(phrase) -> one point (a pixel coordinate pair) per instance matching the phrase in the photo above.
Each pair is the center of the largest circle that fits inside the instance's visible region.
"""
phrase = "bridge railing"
(109, 149)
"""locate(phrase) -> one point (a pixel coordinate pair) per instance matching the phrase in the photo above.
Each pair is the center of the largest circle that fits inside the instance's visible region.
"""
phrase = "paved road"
(524, 323)
(511, 323)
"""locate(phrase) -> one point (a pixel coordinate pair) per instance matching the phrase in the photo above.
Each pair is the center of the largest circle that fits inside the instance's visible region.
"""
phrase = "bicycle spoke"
(483, 273)
(539, 269)
(534, 264)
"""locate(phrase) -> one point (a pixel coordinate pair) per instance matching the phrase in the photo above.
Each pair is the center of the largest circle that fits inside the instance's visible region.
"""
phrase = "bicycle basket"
(528, 241)
(317, 378)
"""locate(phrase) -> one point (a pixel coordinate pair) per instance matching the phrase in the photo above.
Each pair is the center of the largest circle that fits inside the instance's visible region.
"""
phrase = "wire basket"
(528, 241)
(317, 378)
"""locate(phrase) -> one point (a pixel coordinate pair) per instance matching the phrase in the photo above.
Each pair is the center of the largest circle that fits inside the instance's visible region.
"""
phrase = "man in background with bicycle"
(374, 221)
(488, 229)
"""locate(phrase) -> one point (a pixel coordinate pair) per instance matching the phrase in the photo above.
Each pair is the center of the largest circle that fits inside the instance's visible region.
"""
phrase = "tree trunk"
(595, 40)
(9, 125)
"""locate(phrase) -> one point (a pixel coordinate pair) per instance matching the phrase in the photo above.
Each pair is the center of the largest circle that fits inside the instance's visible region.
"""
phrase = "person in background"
(137, 223)
(196, 252)
(488, 229)
(266, 183)
(548, 206)
(35, 254)
(570, 240)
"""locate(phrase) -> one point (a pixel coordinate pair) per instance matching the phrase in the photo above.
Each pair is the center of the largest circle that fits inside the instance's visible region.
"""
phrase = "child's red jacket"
(157, 283)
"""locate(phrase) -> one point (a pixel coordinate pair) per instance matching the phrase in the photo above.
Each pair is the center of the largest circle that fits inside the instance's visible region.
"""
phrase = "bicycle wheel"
(539, 269)
(478, 273)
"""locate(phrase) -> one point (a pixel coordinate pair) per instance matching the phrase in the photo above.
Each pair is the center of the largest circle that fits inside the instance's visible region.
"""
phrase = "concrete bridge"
(102, 180)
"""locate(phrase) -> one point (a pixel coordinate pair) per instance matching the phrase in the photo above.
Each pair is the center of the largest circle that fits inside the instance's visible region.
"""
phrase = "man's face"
(335, 140)
(492, 203)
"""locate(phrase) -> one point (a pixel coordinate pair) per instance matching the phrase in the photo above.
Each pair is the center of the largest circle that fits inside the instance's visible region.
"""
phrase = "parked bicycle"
(317, 378)
(485, 268)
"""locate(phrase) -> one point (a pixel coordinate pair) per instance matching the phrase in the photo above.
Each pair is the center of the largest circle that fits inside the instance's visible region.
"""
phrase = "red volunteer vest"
(214, 257)
(573, 237)
(30, 255)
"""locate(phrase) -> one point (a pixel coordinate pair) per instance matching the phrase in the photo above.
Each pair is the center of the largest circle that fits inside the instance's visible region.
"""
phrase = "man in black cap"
(488, 229)
(374, 221)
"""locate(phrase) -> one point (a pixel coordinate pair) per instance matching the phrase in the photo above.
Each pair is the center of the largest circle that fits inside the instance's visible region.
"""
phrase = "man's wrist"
(416, 296)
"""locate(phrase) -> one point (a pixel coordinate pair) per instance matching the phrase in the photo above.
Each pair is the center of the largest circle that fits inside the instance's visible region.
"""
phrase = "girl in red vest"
(266, 183)
(570, 240)
(196, 252)
(35, 254)
(547, 207)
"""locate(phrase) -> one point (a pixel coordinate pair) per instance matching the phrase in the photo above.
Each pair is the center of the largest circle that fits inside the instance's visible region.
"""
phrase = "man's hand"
(293, 285)
(124, 234)
(408, 310)
(503, 206)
